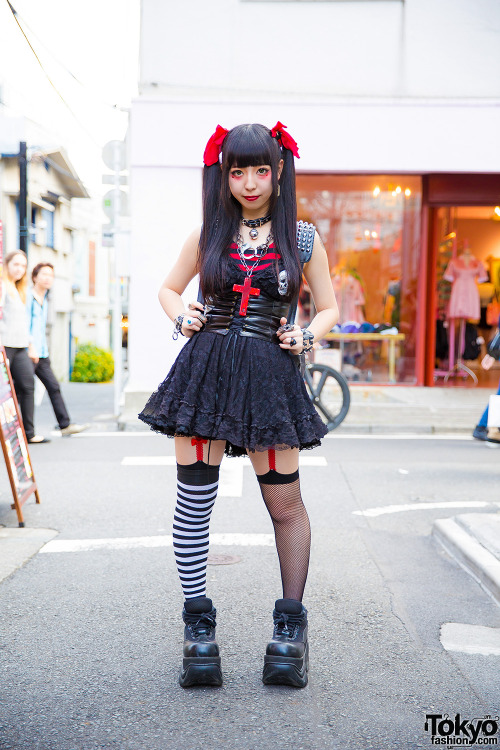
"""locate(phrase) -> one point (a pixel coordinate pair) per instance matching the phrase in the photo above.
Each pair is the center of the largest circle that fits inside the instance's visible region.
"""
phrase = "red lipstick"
(251, 197)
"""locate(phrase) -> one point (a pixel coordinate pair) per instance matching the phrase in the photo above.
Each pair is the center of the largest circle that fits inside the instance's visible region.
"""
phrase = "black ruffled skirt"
(244, 390)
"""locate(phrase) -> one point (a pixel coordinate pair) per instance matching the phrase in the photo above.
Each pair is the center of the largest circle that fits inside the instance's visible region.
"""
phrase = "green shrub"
(92, 365)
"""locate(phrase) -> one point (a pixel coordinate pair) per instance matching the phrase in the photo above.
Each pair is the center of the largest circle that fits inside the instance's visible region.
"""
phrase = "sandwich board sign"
(14, 443)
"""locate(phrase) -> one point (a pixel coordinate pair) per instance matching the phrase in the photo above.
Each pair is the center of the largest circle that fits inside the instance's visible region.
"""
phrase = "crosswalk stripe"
(470, 639)
(171, 461)
(387, 509)
(88, 545)
(231, 471)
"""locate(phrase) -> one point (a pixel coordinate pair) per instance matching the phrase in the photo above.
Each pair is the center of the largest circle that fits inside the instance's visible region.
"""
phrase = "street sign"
(109, 179)
(114, 156)
(107, 236)
(109, 200)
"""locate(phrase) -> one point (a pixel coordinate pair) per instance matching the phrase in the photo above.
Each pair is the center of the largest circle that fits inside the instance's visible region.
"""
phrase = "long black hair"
(247, 146)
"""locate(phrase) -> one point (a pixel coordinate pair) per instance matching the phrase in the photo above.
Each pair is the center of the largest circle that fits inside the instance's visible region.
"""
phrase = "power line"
(114, 107)
(14, 13)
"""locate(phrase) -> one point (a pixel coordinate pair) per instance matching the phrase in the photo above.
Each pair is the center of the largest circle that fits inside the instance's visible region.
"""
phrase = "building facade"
(64, 228)
(395, 107)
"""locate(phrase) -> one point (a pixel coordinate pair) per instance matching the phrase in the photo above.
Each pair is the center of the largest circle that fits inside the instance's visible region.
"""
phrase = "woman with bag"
(15, 337)
(481, 429)
(235, 388)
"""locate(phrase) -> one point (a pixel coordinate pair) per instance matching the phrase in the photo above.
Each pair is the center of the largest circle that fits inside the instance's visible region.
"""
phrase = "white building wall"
(362, 86)
(374, 48)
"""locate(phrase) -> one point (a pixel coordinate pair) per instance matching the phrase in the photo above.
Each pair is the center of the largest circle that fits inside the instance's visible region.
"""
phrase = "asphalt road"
(90, 640)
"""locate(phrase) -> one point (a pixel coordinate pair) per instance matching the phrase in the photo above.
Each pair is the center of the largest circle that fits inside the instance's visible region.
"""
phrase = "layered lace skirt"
(244, 390)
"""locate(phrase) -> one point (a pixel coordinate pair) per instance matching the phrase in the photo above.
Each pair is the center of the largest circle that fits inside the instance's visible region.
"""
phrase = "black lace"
(200, 624)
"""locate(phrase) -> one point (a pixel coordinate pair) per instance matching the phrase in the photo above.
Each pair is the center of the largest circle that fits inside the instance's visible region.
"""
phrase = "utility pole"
(115, 206)
(23, 198)
(117, 306)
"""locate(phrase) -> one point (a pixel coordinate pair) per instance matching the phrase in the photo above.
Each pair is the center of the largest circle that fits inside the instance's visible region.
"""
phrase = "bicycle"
(329, 392)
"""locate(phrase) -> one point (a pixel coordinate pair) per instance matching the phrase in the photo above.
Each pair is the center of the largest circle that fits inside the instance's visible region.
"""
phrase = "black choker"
(254, 223)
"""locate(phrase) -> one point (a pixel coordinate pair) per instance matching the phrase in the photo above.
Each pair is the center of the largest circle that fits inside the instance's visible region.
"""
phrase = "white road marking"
(88, 545)
(231, 479)
(148, 461)
(244, 460)
(384, 510)
(231, 471)
(108, 433)
(399, 436)
(470, 639)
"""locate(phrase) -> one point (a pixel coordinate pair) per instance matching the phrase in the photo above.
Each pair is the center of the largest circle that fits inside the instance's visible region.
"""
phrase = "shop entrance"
(464, 293)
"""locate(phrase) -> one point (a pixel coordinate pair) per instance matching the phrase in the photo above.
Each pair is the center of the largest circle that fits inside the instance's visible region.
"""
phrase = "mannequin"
(465, 272)
(349, 294)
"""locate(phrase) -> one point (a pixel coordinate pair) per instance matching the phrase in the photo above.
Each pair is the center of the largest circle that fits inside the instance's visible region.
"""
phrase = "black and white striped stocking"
(196, 492)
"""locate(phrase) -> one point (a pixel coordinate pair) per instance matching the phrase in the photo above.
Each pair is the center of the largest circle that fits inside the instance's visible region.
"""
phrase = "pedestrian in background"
(15, 337)
(37, 307)
(234, 384)
(481, 429)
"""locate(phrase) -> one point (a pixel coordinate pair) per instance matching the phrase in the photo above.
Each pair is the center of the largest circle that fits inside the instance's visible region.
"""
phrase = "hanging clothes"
(350, 297)
(464, 300)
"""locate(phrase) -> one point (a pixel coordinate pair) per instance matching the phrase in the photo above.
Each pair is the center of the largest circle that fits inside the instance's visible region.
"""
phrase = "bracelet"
(308, 340)
(178, 326)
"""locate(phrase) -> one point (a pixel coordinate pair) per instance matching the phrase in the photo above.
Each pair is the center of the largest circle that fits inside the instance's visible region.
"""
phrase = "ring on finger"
(292, 342)
(189, 321)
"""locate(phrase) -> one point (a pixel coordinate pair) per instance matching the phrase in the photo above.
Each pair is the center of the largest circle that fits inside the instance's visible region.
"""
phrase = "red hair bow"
(285, 139)
(214, 146)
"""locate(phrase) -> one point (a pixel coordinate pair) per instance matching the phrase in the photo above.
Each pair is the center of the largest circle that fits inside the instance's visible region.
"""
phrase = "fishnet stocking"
(281, 493)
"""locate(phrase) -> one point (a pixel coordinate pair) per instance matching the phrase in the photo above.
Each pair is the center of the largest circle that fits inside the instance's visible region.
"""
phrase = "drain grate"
(223, 559)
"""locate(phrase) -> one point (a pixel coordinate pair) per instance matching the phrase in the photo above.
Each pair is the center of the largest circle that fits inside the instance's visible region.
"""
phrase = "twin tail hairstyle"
(247, 146)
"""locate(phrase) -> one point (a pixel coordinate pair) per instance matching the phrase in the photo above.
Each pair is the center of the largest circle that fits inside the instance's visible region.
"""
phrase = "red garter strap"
(198, 442)
(271, 454)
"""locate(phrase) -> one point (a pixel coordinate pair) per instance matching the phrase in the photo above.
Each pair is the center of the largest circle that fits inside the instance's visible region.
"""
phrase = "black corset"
(261, 320)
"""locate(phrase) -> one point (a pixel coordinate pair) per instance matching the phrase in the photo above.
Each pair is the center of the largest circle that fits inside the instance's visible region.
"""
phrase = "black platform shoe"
(287, 656)
(201, 662)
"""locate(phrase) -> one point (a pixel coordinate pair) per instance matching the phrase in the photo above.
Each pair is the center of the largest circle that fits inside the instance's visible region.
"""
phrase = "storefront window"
(467, 292)
(370, 226)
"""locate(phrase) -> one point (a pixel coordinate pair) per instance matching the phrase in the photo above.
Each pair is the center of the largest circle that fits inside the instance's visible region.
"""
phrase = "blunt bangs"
(250, 146)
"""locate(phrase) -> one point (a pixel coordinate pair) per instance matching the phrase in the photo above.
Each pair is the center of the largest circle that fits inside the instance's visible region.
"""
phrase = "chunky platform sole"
(285, 670)
(200, 670)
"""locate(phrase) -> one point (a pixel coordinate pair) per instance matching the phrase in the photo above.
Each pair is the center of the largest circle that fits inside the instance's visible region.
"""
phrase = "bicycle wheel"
(329, 392)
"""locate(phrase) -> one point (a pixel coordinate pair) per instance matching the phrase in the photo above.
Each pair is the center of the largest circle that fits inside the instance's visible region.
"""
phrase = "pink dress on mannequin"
(350, 297)
(464, 300)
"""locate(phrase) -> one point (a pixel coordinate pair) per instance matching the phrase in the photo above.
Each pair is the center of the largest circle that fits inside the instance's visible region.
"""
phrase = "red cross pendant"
(246, 290)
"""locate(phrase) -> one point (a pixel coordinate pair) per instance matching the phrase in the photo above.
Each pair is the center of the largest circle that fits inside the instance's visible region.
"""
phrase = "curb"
(18, 545)
(470, 554)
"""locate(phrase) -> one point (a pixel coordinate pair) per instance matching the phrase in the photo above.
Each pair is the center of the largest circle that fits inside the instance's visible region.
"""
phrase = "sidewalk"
(405, 409)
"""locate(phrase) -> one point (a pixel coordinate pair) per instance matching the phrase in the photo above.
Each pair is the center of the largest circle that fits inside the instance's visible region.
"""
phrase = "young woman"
(37, 305)
(14, 336)
(235, 387)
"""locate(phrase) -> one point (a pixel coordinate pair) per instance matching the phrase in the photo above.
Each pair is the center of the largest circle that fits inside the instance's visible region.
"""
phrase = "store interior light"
(374, 235)
(497, 210)
(407, 192)
(376, 191)
(367, 232)
(398, 190)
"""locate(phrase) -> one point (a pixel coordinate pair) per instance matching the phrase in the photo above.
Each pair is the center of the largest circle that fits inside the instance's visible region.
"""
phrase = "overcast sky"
(97, 41)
